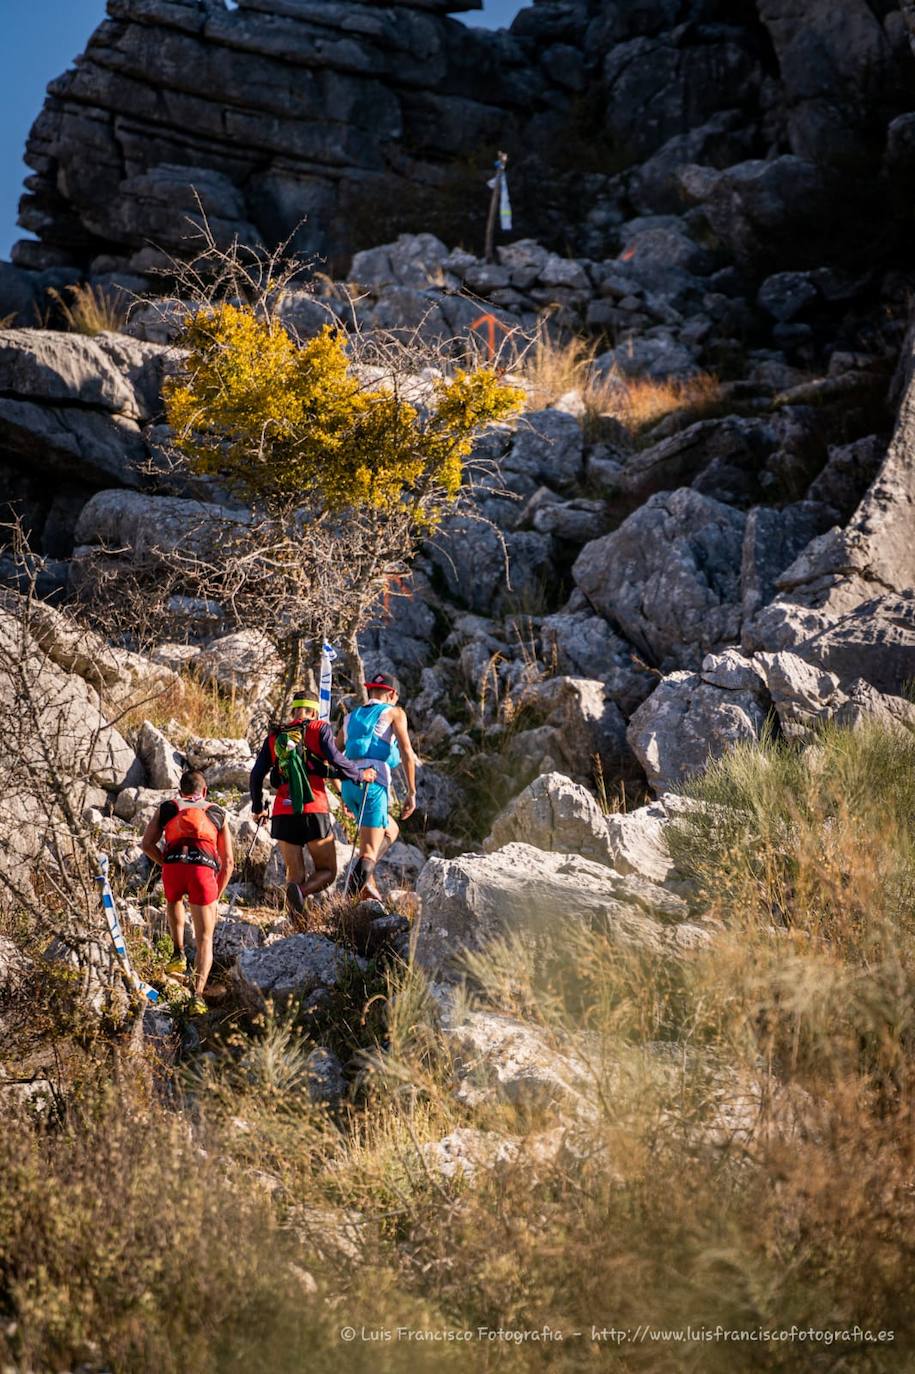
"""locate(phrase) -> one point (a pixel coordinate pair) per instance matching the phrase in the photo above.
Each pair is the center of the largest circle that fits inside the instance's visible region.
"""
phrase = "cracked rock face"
(669, 577)
(355, 117)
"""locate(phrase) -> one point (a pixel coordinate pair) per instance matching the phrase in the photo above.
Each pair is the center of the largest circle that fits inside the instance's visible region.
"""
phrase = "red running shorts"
(197, 882)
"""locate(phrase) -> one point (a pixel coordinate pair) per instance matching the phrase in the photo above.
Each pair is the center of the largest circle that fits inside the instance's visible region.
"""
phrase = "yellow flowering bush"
(286, 425)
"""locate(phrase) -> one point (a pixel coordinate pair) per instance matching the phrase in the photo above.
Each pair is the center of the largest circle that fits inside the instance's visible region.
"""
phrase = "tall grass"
(88, 309)
(552, 368)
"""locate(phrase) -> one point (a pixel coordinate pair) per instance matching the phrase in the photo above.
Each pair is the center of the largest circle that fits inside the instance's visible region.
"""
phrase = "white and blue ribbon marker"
(117, 934)
(505, 205)
(328, 655)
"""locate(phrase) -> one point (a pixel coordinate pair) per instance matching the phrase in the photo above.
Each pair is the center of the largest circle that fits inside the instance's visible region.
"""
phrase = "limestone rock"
(802, 693)
(556, 815)
(772, 540)
(585, 646)
(413, 260)
(71, 715)
(232, 938)
(497, 1056)
(864, 705)
(466, 1151)
(700, 454)
(636, 841)
(470, 900)
(162, 762)
(586, 722)
(226, 763)
(55, 368)
(874, 639)
(547, 447)
(758, 208)
(244, 663)
(689, 720)
(324, 1071)
(669, 577)
(140, 524)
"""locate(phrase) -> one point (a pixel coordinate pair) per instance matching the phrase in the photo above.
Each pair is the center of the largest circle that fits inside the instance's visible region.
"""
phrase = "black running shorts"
(304, 829)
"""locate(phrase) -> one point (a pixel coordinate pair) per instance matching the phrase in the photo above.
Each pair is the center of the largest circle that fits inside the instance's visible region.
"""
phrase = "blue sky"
(41, 39)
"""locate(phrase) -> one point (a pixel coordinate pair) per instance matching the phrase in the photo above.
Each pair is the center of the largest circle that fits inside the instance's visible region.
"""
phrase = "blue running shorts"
(376, 803)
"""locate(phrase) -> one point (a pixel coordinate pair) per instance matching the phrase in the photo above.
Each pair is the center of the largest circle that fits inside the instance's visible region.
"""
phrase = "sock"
(368, 871)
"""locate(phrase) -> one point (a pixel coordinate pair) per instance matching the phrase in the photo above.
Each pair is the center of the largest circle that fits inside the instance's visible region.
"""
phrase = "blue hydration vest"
(361, 740)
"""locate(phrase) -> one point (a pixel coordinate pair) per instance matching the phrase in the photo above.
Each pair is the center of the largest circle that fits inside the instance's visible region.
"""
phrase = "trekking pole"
(352, 857)
(244, 865)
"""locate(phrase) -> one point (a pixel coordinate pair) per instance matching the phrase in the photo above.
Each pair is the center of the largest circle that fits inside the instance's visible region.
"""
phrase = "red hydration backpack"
(191, 829)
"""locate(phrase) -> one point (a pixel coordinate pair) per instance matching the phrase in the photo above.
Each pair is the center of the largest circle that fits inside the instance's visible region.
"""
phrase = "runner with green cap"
(300, 755)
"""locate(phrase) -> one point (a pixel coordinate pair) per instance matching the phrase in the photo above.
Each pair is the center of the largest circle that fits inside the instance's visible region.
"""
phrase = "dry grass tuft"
(91, 309)
(199, 708)
(552, 369)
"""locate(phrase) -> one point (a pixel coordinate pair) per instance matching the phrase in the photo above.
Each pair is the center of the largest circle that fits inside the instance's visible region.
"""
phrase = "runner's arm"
(256, 782)
(345, 767)
(151, 837)
(226, 858)
(408, 758)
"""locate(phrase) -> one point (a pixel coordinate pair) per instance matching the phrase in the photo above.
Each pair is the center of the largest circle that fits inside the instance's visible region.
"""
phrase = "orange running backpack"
(192, 828)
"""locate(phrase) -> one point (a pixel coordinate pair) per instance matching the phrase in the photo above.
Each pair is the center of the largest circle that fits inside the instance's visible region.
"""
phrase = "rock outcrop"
(519, 890)
(356, 118)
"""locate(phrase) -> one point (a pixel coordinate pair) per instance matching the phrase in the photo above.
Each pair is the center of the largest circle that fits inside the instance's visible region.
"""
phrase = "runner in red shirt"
(190, 839)
(311, 827)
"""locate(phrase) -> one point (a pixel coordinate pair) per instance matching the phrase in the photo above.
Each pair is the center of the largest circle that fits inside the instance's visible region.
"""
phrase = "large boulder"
(484, 570)
(772, 540)
(585, 724)
(691, 718)
(412, 260)
(70, 719)
(163, 763)
(54, 368)
(137, 525)
(726, 454)
(547, 448)
(519, 890)
(226, 763)
(845, 602)
(842, 74)
(873, 640)
(669, 577)
(763, 211)
(802, 693)
(554, 814)
(637, 839)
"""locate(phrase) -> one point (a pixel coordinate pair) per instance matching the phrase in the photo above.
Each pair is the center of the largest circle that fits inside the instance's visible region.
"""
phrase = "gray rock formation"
(469, 901)
(297, 967)
(693, 717)
(162, 762)
(669, 577)
(584, 645)
(363, 118)
(556, 815)
(637, 839)
(496, 1056)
